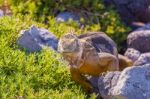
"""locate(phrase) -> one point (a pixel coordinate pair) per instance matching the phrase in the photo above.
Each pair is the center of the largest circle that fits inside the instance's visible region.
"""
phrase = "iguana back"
(100, 41)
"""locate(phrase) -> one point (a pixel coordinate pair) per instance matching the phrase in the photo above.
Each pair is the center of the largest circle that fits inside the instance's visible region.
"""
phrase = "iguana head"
(68, 43)
(70, 47)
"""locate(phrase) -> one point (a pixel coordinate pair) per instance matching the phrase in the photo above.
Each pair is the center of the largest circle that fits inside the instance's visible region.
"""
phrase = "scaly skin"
(124, 62)
(91, 53)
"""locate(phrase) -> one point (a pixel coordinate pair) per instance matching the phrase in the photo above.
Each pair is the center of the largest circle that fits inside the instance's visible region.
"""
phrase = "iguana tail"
(124, 62)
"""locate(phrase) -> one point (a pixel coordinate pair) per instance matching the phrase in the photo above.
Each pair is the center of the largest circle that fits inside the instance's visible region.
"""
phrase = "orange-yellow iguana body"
(91, 53)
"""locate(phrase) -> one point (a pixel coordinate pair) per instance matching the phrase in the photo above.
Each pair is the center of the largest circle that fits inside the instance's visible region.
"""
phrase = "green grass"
(41, 75)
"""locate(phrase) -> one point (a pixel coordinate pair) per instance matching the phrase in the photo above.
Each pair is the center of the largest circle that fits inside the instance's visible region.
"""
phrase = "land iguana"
(92, 54)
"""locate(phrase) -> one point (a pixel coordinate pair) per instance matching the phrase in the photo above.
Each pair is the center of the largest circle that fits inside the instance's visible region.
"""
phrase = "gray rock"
(137, 57)
(131, 10)
(94, 82)
(140, 39)
(106, 83)
(35, 39)
(131, 83)
(132, 54)
(66, 16)
(1, 13)
(143, 59)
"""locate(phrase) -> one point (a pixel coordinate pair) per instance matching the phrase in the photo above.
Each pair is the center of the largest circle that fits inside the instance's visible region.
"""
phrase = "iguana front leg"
(108, 60)
(79, 78)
